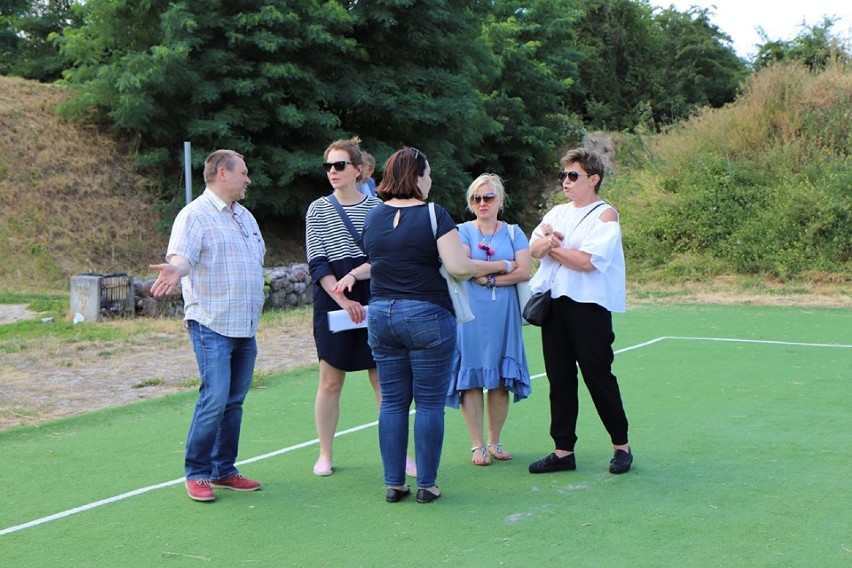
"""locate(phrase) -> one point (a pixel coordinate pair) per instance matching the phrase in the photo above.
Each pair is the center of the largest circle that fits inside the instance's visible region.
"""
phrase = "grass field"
(740, 420)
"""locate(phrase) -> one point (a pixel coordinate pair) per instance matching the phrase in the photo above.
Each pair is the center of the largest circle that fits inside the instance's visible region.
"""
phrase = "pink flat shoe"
(410, 467)
(323, 467)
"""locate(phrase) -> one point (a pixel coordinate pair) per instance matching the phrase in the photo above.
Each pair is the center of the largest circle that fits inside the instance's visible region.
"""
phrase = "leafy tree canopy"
(816, 46)
(478, 86)
(26, 46)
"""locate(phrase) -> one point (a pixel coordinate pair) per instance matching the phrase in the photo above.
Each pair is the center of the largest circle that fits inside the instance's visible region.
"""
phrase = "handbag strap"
(346, 221)
(589, 212)
(559, 264)
(434, 220)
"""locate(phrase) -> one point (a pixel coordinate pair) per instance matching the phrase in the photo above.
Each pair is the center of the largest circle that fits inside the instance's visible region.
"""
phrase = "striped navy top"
(329, 243)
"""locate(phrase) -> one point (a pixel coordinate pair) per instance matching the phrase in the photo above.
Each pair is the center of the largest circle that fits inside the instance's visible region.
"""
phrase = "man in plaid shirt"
(216, 254)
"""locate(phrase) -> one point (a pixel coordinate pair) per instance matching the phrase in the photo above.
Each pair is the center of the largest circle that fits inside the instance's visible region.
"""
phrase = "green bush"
(760, 187)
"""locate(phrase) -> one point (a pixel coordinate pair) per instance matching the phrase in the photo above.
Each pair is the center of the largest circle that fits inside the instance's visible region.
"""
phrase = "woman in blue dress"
(491, 362)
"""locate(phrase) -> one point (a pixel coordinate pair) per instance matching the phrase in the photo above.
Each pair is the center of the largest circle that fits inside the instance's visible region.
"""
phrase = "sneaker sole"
(233, 488)
(201, 499)
(553, 470)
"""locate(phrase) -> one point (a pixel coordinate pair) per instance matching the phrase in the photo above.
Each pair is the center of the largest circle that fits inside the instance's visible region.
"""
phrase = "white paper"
(339, 320)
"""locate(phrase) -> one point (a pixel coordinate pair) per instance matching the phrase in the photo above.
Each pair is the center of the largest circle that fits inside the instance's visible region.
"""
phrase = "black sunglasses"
(573, 176)
(339, 166)
(487, 198)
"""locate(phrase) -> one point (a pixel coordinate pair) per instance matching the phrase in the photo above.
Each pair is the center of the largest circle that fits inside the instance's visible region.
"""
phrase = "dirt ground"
(67, 379)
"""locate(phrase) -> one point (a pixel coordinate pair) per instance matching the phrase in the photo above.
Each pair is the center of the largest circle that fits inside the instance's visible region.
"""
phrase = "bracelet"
(492, 282)
(352, 274)
(508, 266)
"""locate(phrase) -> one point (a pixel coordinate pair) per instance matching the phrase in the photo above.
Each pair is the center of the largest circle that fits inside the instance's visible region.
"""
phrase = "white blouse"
(605, 285)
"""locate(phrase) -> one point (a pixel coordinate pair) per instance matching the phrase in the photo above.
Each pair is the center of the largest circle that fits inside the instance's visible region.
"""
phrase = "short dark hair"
(216, 160)
(399, 178)
(590, 161)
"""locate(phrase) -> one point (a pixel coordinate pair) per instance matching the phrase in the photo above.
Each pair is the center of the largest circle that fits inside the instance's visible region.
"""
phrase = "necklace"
(486, 246)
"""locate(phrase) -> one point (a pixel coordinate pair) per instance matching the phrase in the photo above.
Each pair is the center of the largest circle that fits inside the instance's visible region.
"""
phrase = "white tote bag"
(456, 288)
(521, 288)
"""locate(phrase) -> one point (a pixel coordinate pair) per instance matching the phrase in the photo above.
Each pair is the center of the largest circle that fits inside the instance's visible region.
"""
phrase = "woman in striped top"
(341, 277)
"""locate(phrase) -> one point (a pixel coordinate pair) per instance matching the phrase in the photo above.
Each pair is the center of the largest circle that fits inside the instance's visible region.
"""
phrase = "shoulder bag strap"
(587, 214)
(348, 222)
(559, 264)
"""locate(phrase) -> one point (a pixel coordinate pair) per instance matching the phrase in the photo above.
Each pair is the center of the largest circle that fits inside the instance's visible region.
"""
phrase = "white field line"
(142, 490)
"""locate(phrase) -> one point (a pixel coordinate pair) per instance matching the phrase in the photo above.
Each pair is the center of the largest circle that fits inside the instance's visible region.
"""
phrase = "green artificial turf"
(741, 449)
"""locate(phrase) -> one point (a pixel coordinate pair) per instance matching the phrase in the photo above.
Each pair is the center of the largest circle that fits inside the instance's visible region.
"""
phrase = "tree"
(619, 68)
(279, 80)
(702, 68)
(419, 84)
(814, 46)
(26, 30)
(640, 65)
(10, 14)
(527, 87)
(260, 77)
(477, 85)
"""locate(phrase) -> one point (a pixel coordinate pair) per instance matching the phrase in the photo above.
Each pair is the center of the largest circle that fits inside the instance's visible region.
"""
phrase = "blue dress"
(491, 347)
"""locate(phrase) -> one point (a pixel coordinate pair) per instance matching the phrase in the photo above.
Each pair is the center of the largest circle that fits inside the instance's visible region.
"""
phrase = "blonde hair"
(369, 162)
(491, 180)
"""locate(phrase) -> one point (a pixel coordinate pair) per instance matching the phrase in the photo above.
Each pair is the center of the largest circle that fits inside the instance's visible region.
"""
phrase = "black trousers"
(581, 334)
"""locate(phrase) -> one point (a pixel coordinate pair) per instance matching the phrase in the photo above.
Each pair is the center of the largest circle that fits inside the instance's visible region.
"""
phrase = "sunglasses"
(338, 166)
(243, 230)
(487, 198)
(573, 176)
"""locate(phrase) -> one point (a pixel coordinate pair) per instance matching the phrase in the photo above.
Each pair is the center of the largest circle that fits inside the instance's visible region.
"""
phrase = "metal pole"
(187, 166)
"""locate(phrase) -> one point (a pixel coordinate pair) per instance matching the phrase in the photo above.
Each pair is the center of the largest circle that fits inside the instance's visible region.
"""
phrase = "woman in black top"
(412, 328)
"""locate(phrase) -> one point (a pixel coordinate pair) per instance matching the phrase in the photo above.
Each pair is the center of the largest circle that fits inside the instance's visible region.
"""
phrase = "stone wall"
(287, 287)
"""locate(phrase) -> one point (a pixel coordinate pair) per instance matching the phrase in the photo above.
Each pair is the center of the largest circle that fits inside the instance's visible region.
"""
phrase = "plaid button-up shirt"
(224, 288)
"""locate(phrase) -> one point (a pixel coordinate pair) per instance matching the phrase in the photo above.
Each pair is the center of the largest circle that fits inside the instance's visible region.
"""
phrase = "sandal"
(480, 456)
(498, 453)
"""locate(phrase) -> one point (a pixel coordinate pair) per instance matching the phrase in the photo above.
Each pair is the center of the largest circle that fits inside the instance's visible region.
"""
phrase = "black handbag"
(538, 308)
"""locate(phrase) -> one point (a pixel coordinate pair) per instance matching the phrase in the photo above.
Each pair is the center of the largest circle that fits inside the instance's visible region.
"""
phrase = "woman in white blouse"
(582, 263)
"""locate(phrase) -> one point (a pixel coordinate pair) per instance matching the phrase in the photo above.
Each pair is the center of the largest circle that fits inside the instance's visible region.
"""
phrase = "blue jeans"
(226, 365)
(414, 344)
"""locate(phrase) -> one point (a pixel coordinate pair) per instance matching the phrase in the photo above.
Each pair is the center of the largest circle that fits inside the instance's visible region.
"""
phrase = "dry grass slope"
(71, 200)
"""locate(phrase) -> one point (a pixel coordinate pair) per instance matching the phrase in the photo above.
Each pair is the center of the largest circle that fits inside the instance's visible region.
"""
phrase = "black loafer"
(396, 495)
(424, 496)
(553, 463)
(621, 462)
